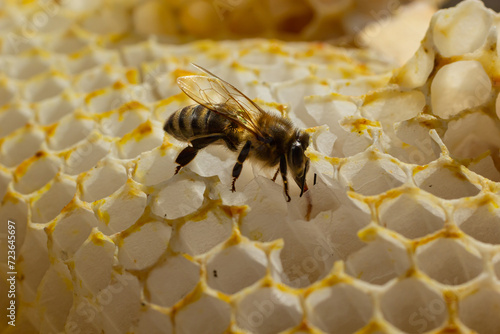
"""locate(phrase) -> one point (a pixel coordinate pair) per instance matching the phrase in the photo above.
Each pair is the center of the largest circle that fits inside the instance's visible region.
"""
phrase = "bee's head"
(297, 160)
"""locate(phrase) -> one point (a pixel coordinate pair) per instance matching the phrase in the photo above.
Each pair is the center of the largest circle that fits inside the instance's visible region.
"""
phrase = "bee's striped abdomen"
(195, 120)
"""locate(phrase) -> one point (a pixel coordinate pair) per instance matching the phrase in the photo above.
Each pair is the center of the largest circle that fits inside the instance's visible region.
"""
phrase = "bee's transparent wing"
(222, 97)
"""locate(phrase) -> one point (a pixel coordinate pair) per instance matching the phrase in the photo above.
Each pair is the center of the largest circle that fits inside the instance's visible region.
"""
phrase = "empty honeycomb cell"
(145, 137)
(236, 267)
(216, 161)
(292, 93)
(479, 310)
(6, 23)
(389, 106)
(25, 67)
(325, 142)
(254, 224)
(121, 302)
(259, 56)
(15, 208)
(378, 262)
(329, 110)
(55, 299)
(413, 307)
(312, 247)
(86, 154)
(451, 34)
(96, 78)
(72, 228)
(268, 310)
(202, 233)
(35, 172)
(152, 166)
(371, 175)
(459, 86)
(52, 23)
(179, 198)
(90, 58)
(103, 180)
(19, 43)
(21, 145)
(85, 315)
(69, 131)
(339, 231)
(445, 181)
(13, 117)
(35, 260)
(106, 99)
(471, 135)
(154, 321)
(51, 110)
(126, 119)
(93, 276)
(70, 44)
(421, 215)
(214, 315)
(278, 72)
(170, 281)
(142, 248)
(52, 198)
(44, 87)
(137, 54)
(7, 92)
(122, 209)
(341, 308)
(419, 146)
(485, 167)
(482, 222)
(448, 261)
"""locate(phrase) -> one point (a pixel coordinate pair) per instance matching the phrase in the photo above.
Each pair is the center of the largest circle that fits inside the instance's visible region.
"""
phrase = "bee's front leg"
(276, 174)
(283, 175)
(239, 162)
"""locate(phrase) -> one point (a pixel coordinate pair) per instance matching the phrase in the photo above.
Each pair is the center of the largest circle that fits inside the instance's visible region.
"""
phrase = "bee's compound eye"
(297, 154)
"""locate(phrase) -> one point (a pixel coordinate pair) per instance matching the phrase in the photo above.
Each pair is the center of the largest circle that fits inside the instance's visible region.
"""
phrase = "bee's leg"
(185, 157)
(276, 174)
(239, 163)
(283, 175)
(188, 153)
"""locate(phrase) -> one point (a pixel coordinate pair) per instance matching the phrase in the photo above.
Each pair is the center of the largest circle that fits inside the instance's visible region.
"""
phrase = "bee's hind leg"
(185, 157)
(239, 163)
(188, 153)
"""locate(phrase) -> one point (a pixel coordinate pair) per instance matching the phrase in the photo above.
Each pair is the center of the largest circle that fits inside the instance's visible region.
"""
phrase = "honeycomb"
(398, 233)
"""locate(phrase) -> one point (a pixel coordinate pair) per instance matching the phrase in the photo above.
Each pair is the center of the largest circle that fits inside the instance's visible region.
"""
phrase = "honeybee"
(225, 115)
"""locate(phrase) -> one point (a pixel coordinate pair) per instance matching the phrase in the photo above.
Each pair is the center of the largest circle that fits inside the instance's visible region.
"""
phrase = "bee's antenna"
(315, 179)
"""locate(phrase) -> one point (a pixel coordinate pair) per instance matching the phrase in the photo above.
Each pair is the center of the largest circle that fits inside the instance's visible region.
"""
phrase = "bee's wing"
(222, 97)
